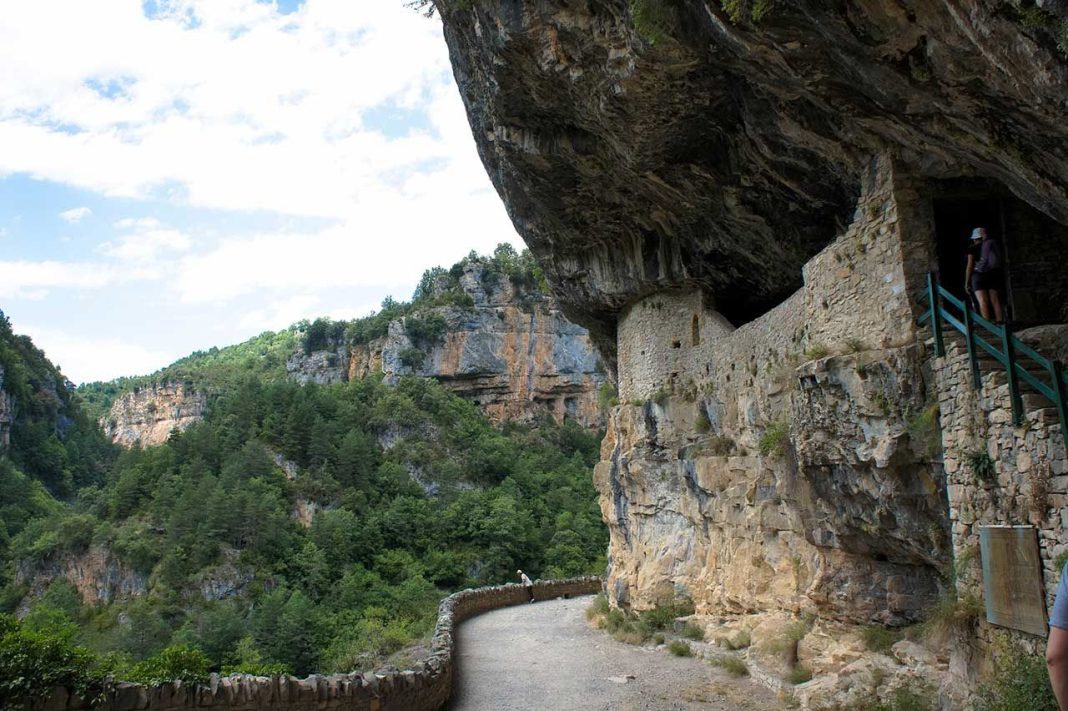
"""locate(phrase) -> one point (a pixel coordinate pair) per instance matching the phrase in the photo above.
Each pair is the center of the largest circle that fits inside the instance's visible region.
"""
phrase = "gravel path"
(546, 656)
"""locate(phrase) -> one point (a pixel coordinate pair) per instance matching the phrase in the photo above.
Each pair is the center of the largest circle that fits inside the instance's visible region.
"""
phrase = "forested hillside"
(297, 527)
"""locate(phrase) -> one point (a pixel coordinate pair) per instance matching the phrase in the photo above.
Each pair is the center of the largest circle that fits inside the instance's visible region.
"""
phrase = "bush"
(680, 649)
(607, 397)
(981, 465)
(738, 641)
(426, 329)
(799, 675)
(732, 665)
(954, 616)
(879, 639)
(773, 441)
(177, 662)
(692, 631)
(32, 664)
(412, 358)
(1022, 682)
(598, 608)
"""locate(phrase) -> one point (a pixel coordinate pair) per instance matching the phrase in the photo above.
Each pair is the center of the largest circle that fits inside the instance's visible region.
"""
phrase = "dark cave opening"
(1033, 245)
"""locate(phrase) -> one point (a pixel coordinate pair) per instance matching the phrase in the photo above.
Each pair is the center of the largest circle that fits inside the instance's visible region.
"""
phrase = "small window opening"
(676, 344)
(695, 330)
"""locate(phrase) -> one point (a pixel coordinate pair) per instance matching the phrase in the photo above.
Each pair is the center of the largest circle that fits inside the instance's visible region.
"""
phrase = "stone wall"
(424, 688)
(1030, 483)
(772, 466)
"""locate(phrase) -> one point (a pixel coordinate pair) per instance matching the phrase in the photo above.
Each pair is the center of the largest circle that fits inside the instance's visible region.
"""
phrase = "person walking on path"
(1057, 646)
(984, 275)
(527, 583)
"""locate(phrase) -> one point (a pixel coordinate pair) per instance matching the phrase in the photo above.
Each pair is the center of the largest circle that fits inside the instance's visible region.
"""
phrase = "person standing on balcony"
(983, 276)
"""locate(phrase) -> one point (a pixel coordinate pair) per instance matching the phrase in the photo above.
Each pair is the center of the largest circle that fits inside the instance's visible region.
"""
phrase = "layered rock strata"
(148, 415)
(644, 146)
(511, 351)
(772, 466)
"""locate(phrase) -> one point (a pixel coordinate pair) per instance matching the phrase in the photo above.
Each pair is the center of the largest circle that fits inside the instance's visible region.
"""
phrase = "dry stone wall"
(424, 688)
(772, 466)
(1029, 484)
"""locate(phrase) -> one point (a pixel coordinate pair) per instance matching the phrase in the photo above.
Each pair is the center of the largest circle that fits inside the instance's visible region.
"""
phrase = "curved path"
(546, 656)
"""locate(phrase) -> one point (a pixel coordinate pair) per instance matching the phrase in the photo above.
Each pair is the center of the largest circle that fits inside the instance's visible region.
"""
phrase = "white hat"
(978, 233)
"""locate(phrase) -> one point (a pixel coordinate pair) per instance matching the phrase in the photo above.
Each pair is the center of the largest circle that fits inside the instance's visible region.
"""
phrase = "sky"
(181, 174)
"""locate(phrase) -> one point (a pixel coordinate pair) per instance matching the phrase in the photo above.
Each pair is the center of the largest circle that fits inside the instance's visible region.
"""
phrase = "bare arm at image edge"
(1057, 646)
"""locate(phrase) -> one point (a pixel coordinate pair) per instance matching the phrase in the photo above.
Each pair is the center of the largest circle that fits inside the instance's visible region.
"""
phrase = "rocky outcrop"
(98, 574)
(147, 416)
(509, 350)
(7, 414)
(692, 146)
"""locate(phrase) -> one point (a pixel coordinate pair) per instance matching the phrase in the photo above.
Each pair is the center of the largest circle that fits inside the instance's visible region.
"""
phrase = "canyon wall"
(147, 416)
(511, 351)
(772, 466)
(680, 168)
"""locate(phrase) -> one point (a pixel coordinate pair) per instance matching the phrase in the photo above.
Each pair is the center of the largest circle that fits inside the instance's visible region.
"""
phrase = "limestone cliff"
(509, 350)
(647, 145)
(146, 416)
(680, 169)
(7, 414)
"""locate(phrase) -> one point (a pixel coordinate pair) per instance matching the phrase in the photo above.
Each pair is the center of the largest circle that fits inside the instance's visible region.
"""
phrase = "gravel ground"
(546, 656)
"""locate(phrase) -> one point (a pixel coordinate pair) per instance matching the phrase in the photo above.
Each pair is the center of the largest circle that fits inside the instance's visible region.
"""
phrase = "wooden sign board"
(1012, 578)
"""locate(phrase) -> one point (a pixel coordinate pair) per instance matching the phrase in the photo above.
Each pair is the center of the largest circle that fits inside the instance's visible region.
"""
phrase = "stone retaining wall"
(425, 688)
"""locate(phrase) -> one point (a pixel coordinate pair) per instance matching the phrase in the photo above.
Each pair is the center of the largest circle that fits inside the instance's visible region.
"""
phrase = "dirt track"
(546, 656)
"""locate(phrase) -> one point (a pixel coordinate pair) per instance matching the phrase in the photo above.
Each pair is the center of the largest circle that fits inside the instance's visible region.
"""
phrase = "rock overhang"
(727, 153)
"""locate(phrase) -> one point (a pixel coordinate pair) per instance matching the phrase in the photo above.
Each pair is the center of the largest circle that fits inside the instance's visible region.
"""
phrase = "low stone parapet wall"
(424, 688)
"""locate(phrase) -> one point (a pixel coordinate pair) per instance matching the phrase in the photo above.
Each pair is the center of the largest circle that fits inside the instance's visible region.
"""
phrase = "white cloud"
(17, 277)
(139, 223)
(75, 214)
(86, 359)
(279, 314)
(146, 246)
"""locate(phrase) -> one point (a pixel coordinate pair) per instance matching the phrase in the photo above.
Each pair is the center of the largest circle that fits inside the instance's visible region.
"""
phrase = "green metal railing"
(1016, 357)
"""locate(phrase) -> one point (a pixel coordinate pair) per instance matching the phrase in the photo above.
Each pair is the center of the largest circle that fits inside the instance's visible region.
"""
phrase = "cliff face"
(7, 414)
(729, 152)
(511, 352)
(685, 171)
(147, 416)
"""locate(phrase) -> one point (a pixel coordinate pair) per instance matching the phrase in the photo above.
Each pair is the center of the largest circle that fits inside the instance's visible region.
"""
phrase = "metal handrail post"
(936, 314)
(1014, 380)
(969, 328)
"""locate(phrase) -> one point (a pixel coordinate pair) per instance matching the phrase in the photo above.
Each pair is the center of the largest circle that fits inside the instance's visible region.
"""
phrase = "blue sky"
(177, 174)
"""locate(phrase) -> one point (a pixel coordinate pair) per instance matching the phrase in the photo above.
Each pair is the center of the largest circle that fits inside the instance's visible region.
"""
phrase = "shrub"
(177, 662)
(680, 648)
(692, 631)
(721, 446)
(954, 615)
(412, 358)
(32, 664)
(816, 351)
(798, 675)
(426, 329)
(598, 608)
(912, 698)
(607, 397)
(981, 465)
(653, 19)
(773, 442)
(1020, 682)
(738, 641)
(732, 665)
(879, 639)
(854, 345)
(703, 424)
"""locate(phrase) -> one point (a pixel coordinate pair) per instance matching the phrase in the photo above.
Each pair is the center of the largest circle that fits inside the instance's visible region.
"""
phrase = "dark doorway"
(1033, 245)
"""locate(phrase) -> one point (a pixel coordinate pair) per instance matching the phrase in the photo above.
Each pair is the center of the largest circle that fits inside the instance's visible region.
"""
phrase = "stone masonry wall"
(772, 466)
(1030, 486)
(425, 688)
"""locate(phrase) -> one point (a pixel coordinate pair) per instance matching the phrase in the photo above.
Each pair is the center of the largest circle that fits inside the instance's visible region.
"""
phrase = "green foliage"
(425, 329)
(653, 19)
(703, 424)
(721, 446)
(1020, 681)
(322, 334)
(177, 662)
(774, 440)
(607, 397)
(732, 665)
(981, 465)
(738, 641)
(412, 358)
(816, 351)
(598, 608)
(854, 344)
(740, 11)
(798, 675)
(679, 648)
(879, 639)
(33, 663)
(954, 615)
(692, 631)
